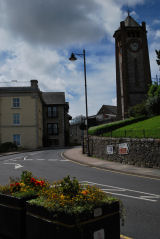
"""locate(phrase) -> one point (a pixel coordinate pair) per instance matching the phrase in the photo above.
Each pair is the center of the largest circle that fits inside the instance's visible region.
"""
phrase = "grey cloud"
(53, 22)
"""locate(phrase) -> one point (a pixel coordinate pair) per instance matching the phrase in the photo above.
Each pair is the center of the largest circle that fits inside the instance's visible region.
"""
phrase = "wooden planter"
(104, 223)
(12, 217)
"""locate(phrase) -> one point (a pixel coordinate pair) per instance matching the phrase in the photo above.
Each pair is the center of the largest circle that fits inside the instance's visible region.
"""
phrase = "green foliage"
(149, 107)
(149, 128)
(158, 56)
(153, 90)
(138, 110)
(5, 189)
(153, 105)
(7, 147)
(69, 186)
(102, 129)
(26, 177)
(25, 186)
(70, 197)
(24, 194)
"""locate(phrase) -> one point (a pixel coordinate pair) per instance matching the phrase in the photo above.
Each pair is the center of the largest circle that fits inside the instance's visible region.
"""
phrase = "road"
(140, 195)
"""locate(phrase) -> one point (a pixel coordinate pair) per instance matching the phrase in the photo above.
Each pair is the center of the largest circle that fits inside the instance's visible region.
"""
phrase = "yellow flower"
(62, 197)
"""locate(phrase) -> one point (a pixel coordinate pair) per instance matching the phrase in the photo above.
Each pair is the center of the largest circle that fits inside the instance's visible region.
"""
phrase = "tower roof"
(130, 22)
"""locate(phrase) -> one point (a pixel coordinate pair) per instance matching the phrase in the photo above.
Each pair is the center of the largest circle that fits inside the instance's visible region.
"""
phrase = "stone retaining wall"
(138, 152)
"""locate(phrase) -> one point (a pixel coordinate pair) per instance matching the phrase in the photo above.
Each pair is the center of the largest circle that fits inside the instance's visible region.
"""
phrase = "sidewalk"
(75, 154)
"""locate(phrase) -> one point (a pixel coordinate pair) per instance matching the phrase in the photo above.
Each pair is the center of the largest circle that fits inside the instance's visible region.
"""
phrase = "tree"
(158, 57)
(151, 106)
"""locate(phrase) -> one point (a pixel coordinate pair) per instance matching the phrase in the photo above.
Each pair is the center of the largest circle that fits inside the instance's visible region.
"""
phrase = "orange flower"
(85, 192)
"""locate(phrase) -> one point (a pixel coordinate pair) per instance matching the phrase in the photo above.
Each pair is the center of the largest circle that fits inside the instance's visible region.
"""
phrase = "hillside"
(149, 128)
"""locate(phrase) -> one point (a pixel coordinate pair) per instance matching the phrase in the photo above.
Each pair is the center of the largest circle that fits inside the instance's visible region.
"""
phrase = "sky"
(38, 36)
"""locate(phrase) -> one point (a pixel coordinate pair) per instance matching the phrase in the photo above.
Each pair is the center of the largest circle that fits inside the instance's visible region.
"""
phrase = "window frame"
(53, 112)
(16, 118)
(16, 102)
(17, 139)
(52, 131)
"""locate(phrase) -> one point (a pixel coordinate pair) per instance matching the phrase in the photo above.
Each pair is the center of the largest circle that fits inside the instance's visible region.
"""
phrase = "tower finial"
(128, 10)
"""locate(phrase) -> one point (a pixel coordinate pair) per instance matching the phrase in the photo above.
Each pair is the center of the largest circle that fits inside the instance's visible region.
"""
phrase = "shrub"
(7, 147)
(153, 105)
(138, 110)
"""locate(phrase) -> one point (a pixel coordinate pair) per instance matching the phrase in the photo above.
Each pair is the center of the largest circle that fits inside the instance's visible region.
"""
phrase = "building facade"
(133, 76)
(56, 119)
(22, 117)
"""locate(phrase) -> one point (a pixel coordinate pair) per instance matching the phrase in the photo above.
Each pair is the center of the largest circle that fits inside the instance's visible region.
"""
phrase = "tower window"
(136, 72)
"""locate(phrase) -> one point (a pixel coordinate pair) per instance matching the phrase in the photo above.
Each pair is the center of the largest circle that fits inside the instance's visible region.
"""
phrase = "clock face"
(134, 45)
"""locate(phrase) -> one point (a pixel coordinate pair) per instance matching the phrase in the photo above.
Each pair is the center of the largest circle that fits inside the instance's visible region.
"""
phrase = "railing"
(141, 133)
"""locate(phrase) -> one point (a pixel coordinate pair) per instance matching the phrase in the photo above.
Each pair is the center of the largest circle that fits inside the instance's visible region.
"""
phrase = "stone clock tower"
(133, 76)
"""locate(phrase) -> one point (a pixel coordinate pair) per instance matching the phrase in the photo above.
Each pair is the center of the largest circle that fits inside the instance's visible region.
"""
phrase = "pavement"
(75, 154)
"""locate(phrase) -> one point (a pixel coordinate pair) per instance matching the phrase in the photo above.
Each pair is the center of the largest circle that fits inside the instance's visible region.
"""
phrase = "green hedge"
(104, 128)
(7, 147)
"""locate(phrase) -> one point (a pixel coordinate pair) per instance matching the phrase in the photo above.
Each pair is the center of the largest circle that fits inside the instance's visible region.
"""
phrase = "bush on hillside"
(138, 110)
(153, 105)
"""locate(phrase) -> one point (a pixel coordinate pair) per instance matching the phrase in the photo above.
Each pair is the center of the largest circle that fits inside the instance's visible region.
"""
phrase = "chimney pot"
(34, 83)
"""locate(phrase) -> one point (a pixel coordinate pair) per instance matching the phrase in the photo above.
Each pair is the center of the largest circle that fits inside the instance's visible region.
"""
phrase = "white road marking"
(126, 192)
(16, 166)
(40, 159)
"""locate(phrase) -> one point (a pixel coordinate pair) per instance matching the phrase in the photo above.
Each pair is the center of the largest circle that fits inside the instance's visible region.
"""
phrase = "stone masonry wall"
(138, 152)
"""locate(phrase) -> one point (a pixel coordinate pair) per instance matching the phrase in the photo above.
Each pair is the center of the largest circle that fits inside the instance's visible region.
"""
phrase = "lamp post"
(73, 58)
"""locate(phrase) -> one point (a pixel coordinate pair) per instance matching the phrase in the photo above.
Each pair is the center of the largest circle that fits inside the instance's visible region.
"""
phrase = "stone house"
(56, 119)
(106, 114)
(22, 117)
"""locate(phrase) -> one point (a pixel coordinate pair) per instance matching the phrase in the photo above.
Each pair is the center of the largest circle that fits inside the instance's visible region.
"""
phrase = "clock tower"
(133, 76)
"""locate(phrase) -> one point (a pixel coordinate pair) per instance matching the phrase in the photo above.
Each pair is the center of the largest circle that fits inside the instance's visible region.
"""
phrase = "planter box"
(12, 216)
(104, 223)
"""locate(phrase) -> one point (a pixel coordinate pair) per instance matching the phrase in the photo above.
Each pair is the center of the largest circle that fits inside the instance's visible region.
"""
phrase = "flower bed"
(32, 208)
(13, 199)
(69, 209)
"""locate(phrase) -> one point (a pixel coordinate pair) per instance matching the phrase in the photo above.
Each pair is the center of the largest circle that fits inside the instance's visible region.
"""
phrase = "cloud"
(61, 23)
(39, 36)
(54, 23)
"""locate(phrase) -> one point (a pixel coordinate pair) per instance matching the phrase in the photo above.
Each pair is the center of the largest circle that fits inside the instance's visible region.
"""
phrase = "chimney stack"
(34, 83)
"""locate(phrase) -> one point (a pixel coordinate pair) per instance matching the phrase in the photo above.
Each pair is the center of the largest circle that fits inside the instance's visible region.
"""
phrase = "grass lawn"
(149, 128)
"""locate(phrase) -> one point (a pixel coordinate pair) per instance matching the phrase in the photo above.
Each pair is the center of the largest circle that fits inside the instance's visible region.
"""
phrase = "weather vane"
(128, 10)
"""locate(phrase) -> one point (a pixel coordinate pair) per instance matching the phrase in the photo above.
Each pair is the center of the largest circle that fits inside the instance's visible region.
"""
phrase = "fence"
(142, 133)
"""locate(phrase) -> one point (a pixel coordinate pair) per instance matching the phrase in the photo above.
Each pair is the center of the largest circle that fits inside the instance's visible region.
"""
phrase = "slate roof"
(108, 109)
(50, 98)
(130, 22)
(17, 89)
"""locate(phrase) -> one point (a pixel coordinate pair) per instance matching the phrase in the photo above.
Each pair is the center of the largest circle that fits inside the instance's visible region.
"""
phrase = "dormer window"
(16, 102)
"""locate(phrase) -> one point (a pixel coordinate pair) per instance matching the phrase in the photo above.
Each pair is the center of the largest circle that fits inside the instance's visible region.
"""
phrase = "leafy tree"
(138, 110)
(151, 106)
(153, 89)
(158, 57)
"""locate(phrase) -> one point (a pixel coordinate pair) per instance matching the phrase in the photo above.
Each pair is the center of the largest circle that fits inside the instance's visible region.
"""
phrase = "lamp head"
(72, 58)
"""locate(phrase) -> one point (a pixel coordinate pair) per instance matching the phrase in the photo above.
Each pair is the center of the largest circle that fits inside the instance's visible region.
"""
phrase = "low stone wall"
(138, 152)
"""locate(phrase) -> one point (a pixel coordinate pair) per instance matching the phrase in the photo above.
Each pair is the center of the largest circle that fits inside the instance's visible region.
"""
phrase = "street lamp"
(73, 58)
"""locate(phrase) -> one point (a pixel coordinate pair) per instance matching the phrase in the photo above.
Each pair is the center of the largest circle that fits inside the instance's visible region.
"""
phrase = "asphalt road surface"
(140, 195)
